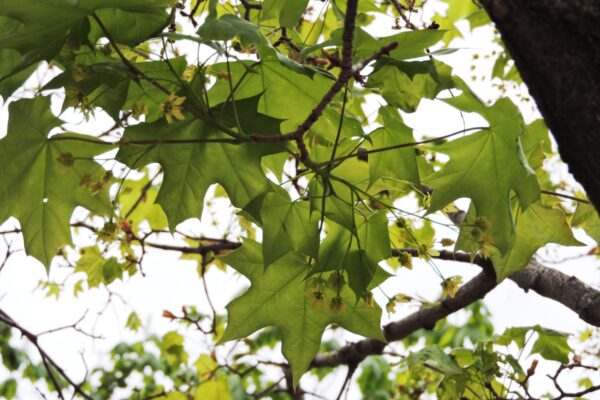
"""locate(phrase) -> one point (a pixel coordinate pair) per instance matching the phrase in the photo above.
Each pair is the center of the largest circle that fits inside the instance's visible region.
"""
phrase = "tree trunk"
(556, 48)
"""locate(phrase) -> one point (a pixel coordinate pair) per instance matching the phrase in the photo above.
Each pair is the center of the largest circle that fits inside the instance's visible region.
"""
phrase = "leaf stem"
(566, 196)
(365, 153)
(138, 73)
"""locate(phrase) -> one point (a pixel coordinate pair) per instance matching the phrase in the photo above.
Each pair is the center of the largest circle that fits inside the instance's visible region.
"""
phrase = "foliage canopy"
(268, 100)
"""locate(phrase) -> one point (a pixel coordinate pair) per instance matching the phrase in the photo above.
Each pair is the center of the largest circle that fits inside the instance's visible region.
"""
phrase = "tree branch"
(48, 362)
(343, 78)
(248, 7)
(547, 282)
(425, 318)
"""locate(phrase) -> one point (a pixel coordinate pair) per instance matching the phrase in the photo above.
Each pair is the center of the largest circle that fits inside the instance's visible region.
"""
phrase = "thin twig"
(566, 196)
(49, 363)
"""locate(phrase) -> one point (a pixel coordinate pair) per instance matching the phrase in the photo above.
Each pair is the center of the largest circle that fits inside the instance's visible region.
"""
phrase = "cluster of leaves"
(277, 89)
(457, 361)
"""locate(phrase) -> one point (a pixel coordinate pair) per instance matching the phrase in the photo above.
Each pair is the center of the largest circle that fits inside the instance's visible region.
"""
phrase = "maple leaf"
(288, 226)
(44, 26)
(287, 12)
(536, 227)
(358, 252)
(277, 297)
(587, 218)
(486, 167)
(274, 83)
(191, 165)
(398, 163)
(44, 178)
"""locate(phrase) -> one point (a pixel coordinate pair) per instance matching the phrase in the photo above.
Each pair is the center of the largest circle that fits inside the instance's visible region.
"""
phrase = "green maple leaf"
(550, 344)
(587, 218)
(288, 226)
(403, 84)
(98, 268)
(45, 25)
(42, 177)
(399, 163)
(190, 168)
(278, 297)
(146, 209)
(485, 167)
(537, 226)
(11, 60)
(131, 25)
(217, 389)
(230, 26)
(104, 82)
(285, 94)
(358, 251)
(145, 92)
(288, 12)
(411, 44)
(348, 181)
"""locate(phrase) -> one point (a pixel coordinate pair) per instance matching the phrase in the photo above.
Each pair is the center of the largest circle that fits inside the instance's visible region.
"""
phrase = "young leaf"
(98, 268)
(44, 179)
(278, 296)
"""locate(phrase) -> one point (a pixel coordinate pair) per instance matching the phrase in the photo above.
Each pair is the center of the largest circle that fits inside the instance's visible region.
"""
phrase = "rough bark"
(555, 46)
(567, 290)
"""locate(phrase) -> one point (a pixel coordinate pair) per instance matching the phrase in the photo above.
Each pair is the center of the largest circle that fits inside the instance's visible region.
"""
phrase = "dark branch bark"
(555, 47)
(547, 282)
(567, 290)
(355, 353)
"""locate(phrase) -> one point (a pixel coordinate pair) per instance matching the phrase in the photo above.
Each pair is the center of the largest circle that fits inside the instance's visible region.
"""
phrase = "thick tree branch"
(547, 282)
(554, 44)
(567, 290)
(426, 318)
